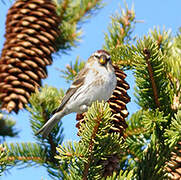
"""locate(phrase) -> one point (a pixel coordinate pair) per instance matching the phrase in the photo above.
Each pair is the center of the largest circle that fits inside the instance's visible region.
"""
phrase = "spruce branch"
(136, 125)
(142, 127)
(85, 8)
(174, 65)
(153, 157)
(42, 104)
(164, 41)
(62, 7)
(153, 85)
(72, 69)
(67, 151)
(176, 43)
(30, 154)
(173, 134)
(167, 44)
(145, 122)
(72, 14)
(169, 47)
(154, 119)
(118, 39)
(135, 145)
(84, 157)
(151, 75)
(136, 135)
(121, 28)
(135, 131)
(91, 145)
(122, 57)
(20, 153)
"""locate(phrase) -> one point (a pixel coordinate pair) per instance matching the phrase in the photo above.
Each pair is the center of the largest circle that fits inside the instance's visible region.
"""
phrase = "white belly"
(92, 91)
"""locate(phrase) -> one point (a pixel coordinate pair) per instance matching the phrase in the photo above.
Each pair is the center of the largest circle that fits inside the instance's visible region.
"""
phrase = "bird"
(95, 82)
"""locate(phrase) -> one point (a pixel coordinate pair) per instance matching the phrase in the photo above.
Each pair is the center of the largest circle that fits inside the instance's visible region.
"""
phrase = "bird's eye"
(96, 56)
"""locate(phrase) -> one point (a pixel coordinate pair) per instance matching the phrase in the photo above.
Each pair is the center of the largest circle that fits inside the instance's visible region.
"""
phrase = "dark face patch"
(102, 56)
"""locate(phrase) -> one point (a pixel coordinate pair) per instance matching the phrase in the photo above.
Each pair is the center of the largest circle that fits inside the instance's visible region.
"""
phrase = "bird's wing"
(77, 83)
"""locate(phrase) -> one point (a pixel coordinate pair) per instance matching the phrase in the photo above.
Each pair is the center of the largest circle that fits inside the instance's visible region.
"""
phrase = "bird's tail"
(49, 125)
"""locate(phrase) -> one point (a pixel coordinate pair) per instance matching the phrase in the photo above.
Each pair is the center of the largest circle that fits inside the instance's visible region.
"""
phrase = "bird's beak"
(102, 60)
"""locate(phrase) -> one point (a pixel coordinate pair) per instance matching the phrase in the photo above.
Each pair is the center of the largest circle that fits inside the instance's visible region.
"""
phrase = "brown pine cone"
(110, 165)
(31, 31)
(174, 165)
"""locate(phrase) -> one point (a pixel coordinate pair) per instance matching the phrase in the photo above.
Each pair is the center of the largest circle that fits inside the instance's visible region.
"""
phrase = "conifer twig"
(135, 131)
(23, 158)
(82, 12)
(91, 144)
(150, 71)
(64, 7)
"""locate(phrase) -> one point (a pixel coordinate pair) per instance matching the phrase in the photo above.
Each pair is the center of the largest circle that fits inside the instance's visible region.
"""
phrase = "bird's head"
(100, 56)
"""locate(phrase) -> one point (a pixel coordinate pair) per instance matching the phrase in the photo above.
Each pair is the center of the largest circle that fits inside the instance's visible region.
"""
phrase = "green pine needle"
(173, 134)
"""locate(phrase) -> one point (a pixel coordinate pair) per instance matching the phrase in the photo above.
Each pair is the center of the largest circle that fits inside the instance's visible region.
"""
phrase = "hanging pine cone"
(110, 165)
(31, 31)
(174, 165)
(117, 103)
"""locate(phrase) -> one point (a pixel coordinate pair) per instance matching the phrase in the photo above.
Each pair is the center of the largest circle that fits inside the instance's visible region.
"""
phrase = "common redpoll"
(95, 82)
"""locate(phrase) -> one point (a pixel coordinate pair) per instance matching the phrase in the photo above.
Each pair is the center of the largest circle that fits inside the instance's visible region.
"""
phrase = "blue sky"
(162, 13)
